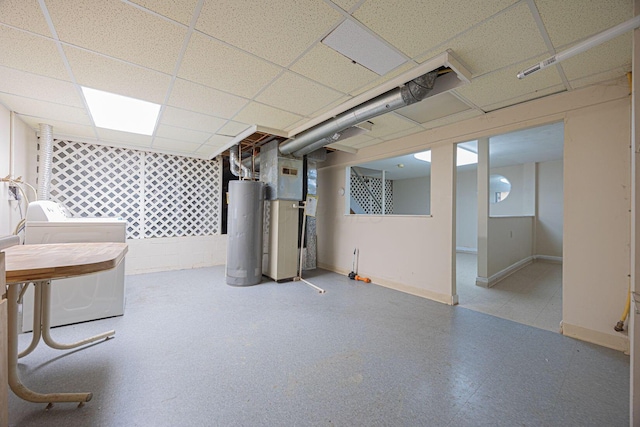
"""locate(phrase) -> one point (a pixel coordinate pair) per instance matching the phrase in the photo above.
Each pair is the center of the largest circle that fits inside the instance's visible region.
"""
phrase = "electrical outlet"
(14, 193)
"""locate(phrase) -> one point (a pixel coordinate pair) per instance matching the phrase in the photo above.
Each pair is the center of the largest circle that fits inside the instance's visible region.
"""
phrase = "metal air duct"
(330, 131)
(46, 159)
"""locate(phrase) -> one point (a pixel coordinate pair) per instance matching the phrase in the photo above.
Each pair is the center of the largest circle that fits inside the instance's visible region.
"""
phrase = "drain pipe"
(237, 167)
(330, 131)
(46, 159)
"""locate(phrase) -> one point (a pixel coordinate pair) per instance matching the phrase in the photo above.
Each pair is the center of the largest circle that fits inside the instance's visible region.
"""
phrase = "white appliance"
(78, 299)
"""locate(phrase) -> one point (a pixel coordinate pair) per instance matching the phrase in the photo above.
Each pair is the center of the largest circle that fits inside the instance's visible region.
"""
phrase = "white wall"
(415, 254)
(20, 158)
(175, 253)
(550, 209)
(510, 242)
(412, 196)
(467, 210)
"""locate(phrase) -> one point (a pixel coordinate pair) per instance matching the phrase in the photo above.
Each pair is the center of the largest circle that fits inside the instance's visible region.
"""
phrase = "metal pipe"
(46, 159)
(234, 165)
(414, 91)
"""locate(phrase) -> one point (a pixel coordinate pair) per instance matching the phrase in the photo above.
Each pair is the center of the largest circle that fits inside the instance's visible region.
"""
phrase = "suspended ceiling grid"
(218, 67)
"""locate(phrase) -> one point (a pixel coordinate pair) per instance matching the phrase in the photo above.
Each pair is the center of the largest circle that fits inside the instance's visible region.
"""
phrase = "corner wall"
(415, 254)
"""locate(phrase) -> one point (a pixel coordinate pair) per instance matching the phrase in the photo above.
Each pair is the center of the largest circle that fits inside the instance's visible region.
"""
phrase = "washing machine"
(83, 298)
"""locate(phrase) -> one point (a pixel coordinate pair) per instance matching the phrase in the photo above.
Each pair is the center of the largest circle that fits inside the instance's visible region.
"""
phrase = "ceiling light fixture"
(463, 157)
(117, 112)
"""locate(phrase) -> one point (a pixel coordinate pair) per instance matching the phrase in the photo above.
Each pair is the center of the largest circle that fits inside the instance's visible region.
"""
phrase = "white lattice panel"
(159, 195)
(370, 205)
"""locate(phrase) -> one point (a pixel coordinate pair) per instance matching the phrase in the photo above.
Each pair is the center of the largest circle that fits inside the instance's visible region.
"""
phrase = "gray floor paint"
(531, 295)
(192, 351)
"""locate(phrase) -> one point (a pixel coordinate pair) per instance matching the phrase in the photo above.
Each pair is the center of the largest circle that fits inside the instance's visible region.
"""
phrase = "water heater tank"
(244, 231)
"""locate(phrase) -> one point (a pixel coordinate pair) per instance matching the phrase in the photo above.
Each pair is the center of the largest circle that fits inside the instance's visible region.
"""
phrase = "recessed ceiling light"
(117, 112)
(463, 157)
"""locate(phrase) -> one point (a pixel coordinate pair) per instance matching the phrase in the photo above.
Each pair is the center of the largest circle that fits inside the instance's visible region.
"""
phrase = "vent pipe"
(46, 159)
(331, 131)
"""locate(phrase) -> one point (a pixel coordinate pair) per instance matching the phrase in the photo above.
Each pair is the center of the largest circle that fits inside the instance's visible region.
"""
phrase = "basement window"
(394, 186)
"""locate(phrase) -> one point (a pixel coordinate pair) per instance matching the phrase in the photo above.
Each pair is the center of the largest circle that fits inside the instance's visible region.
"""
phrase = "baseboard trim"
(434, 296)
(465, 250)
(488, 282)
(617, 342)
(548, 258)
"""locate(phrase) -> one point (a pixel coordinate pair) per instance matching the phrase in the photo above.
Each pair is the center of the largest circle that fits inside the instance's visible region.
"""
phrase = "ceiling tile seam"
(380, 38)
(356, 6)
(40, 100)
(547, 40)
(229, 45)
(367, 85)
(61, 121)
(471, 28)
(35, 75)
(67, 66)
(112, 58)
(466, 101)
(406, 119)
(560, 90)
(176, 68)
(154, 13)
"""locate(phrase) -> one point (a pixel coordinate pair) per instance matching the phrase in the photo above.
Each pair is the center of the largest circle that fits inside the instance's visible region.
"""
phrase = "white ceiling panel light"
(117, 112)
(463, 157)
(352, 41)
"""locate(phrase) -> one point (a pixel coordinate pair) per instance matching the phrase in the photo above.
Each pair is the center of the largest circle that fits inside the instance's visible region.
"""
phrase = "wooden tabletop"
(26, 263)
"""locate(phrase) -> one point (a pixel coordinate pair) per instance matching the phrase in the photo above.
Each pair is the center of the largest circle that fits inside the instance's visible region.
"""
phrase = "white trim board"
(465, 250)
(548, 258)
(503, 274)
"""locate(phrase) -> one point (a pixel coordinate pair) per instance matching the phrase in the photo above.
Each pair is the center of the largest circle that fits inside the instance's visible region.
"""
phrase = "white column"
(483, 212)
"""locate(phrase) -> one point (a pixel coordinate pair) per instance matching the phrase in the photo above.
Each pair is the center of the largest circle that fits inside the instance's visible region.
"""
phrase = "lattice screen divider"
(159, 195)
(363, 198)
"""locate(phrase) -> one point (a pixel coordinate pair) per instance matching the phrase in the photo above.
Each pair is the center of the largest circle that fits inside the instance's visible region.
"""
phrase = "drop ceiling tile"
(188, 119)
(416, 27)
(206, 151)
(25, 14)
(185, 147)
(356, 141)
(232, 128)
(403, 133)
(180, 11)
(370, 143)
(607, 76)
(44, 109)
(328, 67)
(503, 84)
(508, 38)
(346, 4)
(402, 69)
(31, 53)
(525, 97)
(214, 64)
(194, 97)
(278, 30)
(613, 54)
(119, 30)
(295, 125)
(569, 21)
(264, 115)
(389, 124)
(181, 134)
(433, 108)
(111, 75)
(218, 141)
(296, 94)
(452, 119)
(60, 128)
(124, 138)
(29, 85)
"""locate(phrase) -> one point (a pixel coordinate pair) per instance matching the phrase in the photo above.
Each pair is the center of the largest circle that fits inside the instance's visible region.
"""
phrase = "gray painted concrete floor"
(532, 295)
(192, 351)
